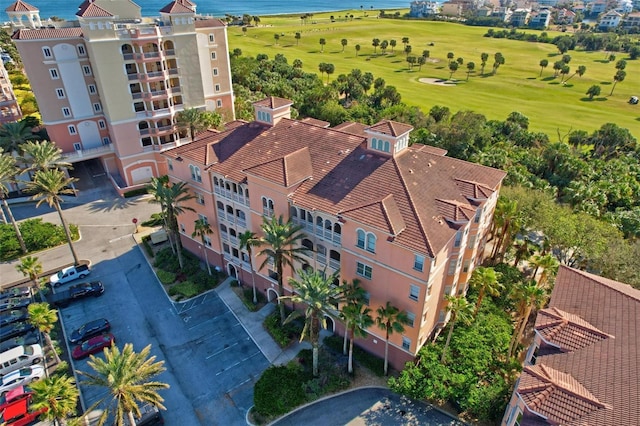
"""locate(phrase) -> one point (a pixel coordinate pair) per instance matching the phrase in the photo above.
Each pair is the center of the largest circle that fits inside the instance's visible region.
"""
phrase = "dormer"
(270, 110)
(16, 11)
(388, 137)
(178, 12)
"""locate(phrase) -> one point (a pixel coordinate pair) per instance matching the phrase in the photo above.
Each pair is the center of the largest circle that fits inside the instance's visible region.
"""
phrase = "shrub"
(135, 192)
(362, 357)
(186, 289)
(279, 390)
(147, 246)
(283, 335)
(155, 220)
(234, 283)
(166, 277)
(165, 259)
(37, 235)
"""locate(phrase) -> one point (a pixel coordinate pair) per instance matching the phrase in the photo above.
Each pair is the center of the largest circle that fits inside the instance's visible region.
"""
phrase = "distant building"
(9, 108)
(520, 17)
(566, 17)
(540, 19)
(422, 9)
(583, 365)
(451, 9)
(631, 20)
(611, 19)
(503, 13)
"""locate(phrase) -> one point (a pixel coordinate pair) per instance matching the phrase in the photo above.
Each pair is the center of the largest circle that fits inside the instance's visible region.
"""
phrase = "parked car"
(14, 330)
(15, 394)
(76, 292)
(20, 356)
(30, 338)
(17, 413)
(69, 274)
(149, 416)
(14, 303)
(7, 317)
(89, 329)
(93, 345)
(15, 292)
(20, 377)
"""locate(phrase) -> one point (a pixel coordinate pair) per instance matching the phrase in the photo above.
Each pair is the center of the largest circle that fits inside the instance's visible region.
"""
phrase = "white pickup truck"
(69, 274)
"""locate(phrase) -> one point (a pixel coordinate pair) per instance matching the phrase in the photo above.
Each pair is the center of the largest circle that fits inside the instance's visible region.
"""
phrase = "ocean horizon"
(66, 9)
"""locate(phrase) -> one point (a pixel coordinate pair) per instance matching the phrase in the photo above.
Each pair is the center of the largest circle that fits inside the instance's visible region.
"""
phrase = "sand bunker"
(438, 81)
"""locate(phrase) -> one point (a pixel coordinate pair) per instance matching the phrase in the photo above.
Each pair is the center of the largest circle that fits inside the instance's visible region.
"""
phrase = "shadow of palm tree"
(113, 205)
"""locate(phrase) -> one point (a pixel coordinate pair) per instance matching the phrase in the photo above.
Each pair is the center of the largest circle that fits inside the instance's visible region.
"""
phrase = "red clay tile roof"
(274, 102)
(316, 122)
(474, 190)
(177, 6)
(21, 6)
(608, 369)
(567, 331)
(346, 176)
(455, 210)
(47, 33)
(209, 23)
(392, 128)
(433, 150)
(89, 9)
(286, 171)
(352, 127)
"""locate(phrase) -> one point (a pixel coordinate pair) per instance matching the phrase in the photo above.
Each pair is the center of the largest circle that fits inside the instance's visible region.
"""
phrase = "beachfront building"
(110, 84)
(407, 221)
(582, 367)
(9, 108)
(421, 9)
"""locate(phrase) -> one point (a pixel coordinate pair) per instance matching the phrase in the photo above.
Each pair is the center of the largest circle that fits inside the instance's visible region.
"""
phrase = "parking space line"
(222, 350)
(237, 363)
(239, 385)
(207, 320)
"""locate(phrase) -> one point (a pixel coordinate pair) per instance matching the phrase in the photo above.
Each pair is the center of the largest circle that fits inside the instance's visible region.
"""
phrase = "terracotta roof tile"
(21, 6)
(47, 33)
(352, 127)
(274, 102)
(606, 370)
(383, 214)
(316, 122)
(391, 128)
(89, 9)
(474, 190)
(567, 331)
(176, 7)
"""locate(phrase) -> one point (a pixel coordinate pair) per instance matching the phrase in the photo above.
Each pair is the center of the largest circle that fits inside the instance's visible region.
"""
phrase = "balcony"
(152, 75)
(335, 264)
(137, 95)
(241, 222)
(151, 55)
(127, 56)
(169, 52)
(132, 77)
(85, 154)
(172, 71)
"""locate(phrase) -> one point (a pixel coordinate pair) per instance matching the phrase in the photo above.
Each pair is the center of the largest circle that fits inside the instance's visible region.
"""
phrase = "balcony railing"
(151, 55)
(85, 154)
(173, 71)
(322, 258)
(145, 131)
(169, 52)
(242, 222)
(137, 95)
(335, 264)
(127, 56)
(133, 76)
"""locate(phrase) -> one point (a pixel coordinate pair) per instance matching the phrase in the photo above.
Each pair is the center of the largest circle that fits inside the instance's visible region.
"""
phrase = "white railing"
(84, 154)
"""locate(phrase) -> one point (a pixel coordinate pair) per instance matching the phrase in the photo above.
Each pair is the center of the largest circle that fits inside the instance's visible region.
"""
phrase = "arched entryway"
(331, 325)
(272, 295)
(232, 271)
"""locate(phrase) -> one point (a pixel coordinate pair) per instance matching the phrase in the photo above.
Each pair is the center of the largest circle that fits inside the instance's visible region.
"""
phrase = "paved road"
(211, 362)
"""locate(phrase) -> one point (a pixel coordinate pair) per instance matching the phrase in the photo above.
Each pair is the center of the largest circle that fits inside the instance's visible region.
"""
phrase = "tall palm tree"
(43, 155)
(248, 240)
(31, 267)
(320, 297)
(58, 394)
(13, 135)
(353, 295)
(127, 377)
(358, 317)
(461, 310)
(48, 186)
(526, 298)
(202, 229)
(549, 266)
(485, 280)
(173, 197)
(156, 188)
(524, 249)
(195, 120)
(42, 317)
(390, 320)
(8, 172)
(281, 244)
(506, 217)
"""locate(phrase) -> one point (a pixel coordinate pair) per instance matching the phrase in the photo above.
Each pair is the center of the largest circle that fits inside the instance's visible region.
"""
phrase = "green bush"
(165, 259)
(155, 220)
(37, 235)
(362, 357)
(283, 335)
(234, 283)
(186, 289)
(279, 390)
(147, 246)
(166, 277)
(135, 192)
(247, 299)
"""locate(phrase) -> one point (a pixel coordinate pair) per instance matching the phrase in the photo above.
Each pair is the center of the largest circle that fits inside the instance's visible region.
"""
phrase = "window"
(366, 298)
(534, 355)
(465, 265)
(406, 343)
(472, 241)
(92, 89)
(53, 72)
(195, 173)
(72, 130)
(267, 206)
(215, 71)
(478, 215)
(102, 124)
(217, 88)
(77, 147)
(106, 141)
(46, 52)
(226, 248)
(213, 56)
(60, 93)
(458, 239)
(81, 50)
(361, 238)
(199, 198)
(364, 270)
(429, 288)
(452, 267)
(371, 242)
(411, 317)
(219, 103)
(170, 164)
(418, 262)
(212, 39)
(367, 240)
(86, 69)
(202, 218)
(207, 241)
(97, 107)
(414, 292)
(66, 112)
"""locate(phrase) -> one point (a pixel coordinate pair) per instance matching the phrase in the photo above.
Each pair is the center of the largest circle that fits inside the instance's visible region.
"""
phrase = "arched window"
(223, 228)
(361, 238)
(215, 181)
(195, 173)
(386, 146)
(143, 125)
(267, 206)
(371, 242)
(241, 215)
(126, 49)
(233, 232)
(293, 212)
(306, 243)
(220, 205)
(322, 253)
(230, 211)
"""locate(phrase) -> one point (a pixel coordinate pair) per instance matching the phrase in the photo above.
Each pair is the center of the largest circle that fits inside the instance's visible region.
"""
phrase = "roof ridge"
(561, 384)
(569, 318)
(617, 286)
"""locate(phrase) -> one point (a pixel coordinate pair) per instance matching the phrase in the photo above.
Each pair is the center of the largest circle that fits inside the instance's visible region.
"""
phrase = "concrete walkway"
(252, 323)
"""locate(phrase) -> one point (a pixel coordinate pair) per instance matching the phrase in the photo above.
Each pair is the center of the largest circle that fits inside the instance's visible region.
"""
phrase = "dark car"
(93, 345)
(8, 317)
(149, 416)
(14, 330)
(89, 329)
(15, 292)
(30, 338)
(14, 303)
(93, 288)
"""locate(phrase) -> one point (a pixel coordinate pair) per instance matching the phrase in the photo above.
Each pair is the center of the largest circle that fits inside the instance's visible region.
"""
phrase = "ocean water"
(66, 9)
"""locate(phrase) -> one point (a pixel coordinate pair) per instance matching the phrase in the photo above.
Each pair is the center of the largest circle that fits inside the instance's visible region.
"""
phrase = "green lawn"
(550, 106)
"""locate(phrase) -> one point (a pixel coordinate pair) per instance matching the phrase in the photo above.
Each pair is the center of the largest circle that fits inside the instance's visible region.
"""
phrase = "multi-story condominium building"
(582, 367)
(611, 19)
(110, 84)
(540, 19)
(407, 221)
(422, 8)
(9, 108)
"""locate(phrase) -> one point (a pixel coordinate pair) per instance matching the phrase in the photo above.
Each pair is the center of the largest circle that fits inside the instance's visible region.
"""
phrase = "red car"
(93, 345)
(16, 411)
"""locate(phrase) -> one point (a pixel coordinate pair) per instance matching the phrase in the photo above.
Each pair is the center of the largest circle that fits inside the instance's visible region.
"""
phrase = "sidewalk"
(252, 323)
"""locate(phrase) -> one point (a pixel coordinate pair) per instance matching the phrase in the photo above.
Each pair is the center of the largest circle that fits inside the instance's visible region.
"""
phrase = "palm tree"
(248, 240)
(13, 135)
(343, 42)
(358, 317)
(549, 266)
(8, 171)
(619, 77)
(485, 280)
(156, 188)
(543, 64)
(470, 67)
(195, 120)
(322, 43)
(484, 57)
(48, 186)
(42, 317)
(173, 198)
(506, 217)
(127, 377)
(43, 155)
(390, 320)
(461, 310)
(526, 297)
(393, 44)
(320, 297)
(202, 229)
(58, 394)
(580, 72)
(281, 242)
(375, 43)
(31, 267)
(524, 249)
(357, 47)
(298, 36)
(353, 295)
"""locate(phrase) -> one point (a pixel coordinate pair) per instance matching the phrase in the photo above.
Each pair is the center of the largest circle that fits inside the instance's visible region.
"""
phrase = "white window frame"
(406, 343)
(363, 270)
(214, 56)
(458, 239)
(106, 140)
(361, 238)
(170, 164)
(97, 107)
(60, 93)
(53, 72)
(207, 241)
(219, 103)
(215, 72)
(418, 262)
(366, 298)
(452, 267)
(66, 112)
(77, 146)
(195, 173)
(414, 292)
(217, 88)
(102, 125)
(199, 198)
(411, 317)
(72, 129)
(182, 228)
(212, 38)
(203, 218)
(82, 51)
(371, 242)
(86, 69)
(92, 89)
(47, 52)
